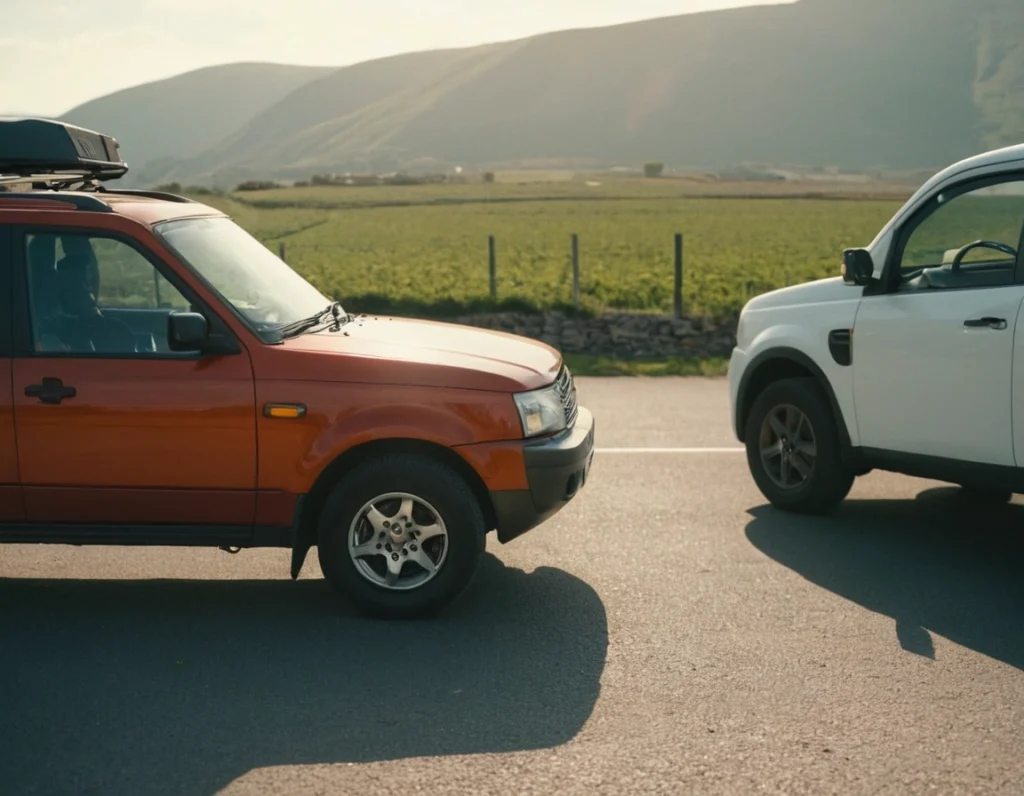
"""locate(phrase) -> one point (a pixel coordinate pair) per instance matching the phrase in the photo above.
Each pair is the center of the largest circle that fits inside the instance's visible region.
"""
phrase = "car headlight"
(541, 411)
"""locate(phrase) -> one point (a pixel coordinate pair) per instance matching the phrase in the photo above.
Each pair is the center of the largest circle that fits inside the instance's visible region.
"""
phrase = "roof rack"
(56, 153)
(80, 201)
(169, 197)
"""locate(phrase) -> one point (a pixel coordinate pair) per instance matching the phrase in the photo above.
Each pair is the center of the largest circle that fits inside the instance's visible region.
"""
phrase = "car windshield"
(264, 289)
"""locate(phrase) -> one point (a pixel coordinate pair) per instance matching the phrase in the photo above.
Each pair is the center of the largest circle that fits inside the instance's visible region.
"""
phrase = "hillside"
(859, 84)
(186, 114)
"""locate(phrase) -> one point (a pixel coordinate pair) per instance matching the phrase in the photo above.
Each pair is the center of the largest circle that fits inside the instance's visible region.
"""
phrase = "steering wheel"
(981, 244)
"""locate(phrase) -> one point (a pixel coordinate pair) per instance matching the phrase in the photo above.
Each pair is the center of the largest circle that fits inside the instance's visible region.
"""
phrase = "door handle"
(51, 391)
(992, 323)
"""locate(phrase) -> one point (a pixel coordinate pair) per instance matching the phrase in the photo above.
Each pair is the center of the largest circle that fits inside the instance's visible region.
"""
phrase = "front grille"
(566, 386)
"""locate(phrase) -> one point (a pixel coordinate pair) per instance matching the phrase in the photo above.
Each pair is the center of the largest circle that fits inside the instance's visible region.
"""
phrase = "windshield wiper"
(332, 312)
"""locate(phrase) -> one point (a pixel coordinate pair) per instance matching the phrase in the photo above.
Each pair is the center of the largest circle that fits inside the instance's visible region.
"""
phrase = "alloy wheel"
(788, 448)
(398, 541)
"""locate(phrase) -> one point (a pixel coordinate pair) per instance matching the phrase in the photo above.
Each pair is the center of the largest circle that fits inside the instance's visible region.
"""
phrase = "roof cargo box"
(35, 147)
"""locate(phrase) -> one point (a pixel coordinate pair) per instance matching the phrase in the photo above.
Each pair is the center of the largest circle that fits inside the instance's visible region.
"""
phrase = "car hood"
(816, 292)
(388, 350)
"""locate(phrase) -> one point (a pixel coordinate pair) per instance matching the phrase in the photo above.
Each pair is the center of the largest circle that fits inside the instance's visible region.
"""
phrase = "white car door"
(933, 355)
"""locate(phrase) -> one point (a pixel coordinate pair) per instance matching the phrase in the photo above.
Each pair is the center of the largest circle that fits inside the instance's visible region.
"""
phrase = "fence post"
(492, 266)
(677, 294)
(575, 269)
(280, 251)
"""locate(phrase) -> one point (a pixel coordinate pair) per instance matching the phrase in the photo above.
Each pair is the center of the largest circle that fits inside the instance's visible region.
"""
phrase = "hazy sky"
(55, 54)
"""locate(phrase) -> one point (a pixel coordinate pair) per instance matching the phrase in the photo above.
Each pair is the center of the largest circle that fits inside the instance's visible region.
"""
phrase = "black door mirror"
(186, 331)
(858, 267)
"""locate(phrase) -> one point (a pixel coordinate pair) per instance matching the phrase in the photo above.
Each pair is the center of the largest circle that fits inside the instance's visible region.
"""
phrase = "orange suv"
(168, 380)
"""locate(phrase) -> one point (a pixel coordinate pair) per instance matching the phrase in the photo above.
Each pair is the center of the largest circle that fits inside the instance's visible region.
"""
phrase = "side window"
(91, 294)
(993, 214)
(127, 280)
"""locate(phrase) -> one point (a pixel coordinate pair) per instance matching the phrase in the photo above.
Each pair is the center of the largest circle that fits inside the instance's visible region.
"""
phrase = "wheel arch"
(350, 459)
(773, 365)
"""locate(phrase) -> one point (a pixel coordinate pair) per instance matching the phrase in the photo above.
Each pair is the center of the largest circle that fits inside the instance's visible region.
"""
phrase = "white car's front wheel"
(793, 448)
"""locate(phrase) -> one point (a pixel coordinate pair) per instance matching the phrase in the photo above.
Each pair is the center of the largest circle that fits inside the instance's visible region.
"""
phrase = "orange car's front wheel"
(401, 536)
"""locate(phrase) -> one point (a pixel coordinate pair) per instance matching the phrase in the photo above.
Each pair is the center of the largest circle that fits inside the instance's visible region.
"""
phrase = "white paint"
(926, 385)
(799, 318)
(915, 386)
(603, 451)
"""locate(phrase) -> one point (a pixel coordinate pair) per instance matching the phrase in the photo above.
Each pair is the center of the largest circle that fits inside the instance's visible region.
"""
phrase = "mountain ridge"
(876, 84)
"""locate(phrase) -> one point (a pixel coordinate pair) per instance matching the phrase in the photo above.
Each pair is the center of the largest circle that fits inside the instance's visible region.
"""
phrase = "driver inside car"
(83, 325)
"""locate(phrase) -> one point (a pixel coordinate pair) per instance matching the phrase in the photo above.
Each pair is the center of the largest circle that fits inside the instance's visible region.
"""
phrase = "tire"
(435, 490)
(817, 489)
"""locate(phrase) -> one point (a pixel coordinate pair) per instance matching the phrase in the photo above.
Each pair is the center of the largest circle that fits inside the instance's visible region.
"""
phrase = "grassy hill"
(860, 84)
(186, 114)
(999, 85)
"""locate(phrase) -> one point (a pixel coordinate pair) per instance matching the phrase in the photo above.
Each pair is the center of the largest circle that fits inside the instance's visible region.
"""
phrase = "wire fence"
(683, 297)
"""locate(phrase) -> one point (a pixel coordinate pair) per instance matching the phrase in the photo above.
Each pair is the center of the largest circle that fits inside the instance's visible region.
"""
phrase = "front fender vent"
(840, 345)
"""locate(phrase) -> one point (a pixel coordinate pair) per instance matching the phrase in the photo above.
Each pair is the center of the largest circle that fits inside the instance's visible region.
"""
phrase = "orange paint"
(199, 441)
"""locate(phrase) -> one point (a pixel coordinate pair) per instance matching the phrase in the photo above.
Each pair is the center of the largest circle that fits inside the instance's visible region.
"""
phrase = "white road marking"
(669, 450)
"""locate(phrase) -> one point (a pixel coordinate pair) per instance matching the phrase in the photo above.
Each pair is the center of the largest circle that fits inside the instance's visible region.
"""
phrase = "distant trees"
(653, 168)
(188, 190)
(257, 185)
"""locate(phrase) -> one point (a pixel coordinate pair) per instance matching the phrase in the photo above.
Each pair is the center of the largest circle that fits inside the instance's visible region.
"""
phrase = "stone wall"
(618, 335)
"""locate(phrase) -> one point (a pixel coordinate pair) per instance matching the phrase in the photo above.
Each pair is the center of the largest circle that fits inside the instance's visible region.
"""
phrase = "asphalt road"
(667, 633)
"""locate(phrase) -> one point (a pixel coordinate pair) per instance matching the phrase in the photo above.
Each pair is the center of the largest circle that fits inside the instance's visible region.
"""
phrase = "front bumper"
(556, 469)
(737, 367)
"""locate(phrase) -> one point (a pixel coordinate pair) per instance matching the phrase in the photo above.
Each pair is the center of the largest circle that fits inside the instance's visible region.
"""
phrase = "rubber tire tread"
(430, 480)
(832, 479)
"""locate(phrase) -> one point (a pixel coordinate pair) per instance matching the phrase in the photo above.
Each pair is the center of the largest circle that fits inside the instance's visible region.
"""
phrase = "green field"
(424, 249)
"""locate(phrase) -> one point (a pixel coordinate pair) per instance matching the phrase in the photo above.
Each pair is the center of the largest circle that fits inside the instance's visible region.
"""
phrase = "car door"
(113, 428)
(933, 352)
(12, 508)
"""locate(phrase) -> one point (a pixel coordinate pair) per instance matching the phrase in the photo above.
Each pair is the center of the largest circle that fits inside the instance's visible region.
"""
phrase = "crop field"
(424, 249)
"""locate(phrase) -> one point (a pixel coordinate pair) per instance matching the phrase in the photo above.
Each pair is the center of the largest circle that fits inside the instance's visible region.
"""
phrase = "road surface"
(667, 633)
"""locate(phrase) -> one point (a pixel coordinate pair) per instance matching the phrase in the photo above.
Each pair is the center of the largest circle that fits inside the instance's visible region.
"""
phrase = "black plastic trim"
(303, 536)
(566, 449)
(556, 470)
(786, 354)
(840, 346)
(167, 197)
(516, 514)
(146, 535)
(7, 262)
(76, 200)
(937, 468)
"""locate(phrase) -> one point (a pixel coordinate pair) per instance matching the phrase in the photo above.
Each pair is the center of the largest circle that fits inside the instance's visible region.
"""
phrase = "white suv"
(911, 362)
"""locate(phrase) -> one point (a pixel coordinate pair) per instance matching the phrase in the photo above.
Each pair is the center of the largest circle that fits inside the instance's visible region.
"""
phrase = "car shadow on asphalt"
(934, 564)
(132, 687)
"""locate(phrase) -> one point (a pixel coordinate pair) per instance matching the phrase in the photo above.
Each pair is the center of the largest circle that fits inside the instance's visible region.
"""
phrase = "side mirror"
(858, 267)
(186, 331)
